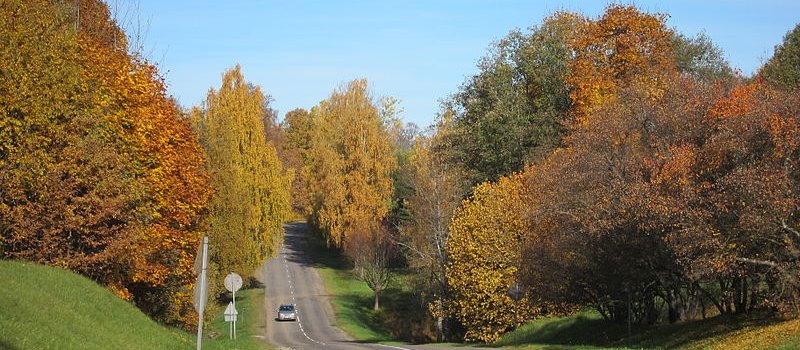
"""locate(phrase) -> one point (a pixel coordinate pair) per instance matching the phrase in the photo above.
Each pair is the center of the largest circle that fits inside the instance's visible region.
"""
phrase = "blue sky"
(417, 51)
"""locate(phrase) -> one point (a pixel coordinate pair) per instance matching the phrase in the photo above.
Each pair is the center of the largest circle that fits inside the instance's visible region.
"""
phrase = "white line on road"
(297, 312)
(304, 331)
(391, 346)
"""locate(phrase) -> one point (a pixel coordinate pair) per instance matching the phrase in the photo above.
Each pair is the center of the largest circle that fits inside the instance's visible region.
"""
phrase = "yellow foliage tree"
(348, 166)
(251, 201)
(484, 252)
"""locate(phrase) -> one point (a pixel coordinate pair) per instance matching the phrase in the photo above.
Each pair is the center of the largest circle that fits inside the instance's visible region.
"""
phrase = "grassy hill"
(47, 308)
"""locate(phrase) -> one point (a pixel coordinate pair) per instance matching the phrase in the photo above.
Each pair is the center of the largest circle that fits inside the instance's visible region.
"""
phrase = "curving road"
(291, 278)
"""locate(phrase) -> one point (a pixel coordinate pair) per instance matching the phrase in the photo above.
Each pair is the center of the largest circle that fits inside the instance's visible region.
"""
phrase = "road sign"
(233, 282)
(200, 298)
(231, 313)
(230, 316)
(200, 285)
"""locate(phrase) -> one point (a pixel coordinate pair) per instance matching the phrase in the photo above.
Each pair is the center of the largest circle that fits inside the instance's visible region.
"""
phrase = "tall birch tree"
(252, 194)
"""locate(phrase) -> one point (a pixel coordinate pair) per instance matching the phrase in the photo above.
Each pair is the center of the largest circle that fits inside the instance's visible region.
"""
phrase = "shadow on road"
(308, 249)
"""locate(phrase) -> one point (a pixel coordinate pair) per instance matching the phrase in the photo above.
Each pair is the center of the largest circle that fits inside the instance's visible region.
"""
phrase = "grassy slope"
(47, 308)
(780, 336)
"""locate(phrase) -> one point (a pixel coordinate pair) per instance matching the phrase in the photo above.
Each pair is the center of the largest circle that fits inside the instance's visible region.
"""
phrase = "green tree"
(783, 69)
(699, 57)
(510, 112)
(251, 201)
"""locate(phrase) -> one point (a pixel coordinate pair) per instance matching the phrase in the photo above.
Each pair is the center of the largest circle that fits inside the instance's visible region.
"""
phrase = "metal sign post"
(230, 316)
(200, 288)
(232, 283)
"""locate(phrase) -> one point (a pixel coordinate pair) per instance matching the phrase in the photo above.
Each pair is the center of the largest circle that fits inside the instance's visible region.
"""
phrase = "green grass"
(586, 330)
(249, 324)
(401, 319)
(43, 307)
(48, 308)
(351, 301)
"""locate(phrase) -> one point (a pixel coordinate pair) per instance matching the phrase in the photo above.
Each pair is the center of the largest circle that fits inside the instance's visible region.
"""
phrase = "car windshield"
(286, 308)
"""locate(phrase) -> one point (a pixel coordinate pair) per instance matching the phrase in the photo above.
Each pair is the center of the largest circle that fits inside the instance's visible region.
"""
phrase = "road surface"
(290, 278)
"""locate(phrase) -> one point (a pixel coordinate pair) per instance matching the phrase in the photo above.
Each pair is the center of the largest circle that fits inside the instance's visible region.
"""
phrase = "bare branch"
(789, 228)
(758, 262)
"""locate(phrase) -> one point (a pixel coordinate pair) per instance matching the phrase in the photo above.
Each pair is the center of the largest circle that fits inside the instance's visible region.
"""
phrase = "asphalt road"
(289, 278)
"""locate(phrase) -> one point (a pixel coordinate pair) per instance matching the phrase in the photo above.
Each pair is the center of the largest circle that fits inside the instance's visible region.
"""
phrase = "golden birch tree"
(349, 166)
(251, 201)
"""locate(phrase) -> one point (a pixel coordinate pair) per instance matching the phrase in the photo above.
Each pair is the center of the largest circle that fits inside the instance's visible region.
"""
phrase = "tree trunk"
(676, 308)
(440, 328)
(377, 305)
(712, 299)
(740, 295)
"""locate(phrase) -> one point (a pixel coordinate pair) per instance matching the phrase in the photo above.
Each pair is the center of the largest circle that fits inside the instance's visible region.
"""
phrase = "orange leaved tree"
(623, 46)
(101, 173)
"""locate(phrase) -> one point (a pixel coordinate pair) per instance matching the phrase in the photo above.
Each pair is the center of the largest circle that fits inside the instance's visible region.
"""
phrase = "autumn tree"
(296, 130)
(173, 165)
(750, 165)
(67, 193)
(348, 169)
(251, 201)
(595, 239)
(683, 197)
(116, 188)
(782, 68)
(437, 190)
(484, 252)
(673, 191)
(350, 162)
(622, 47)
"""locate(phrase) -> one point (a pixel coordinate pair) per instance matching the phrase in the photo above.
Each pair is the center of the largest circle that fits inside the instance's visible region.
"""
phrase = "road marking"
(304, 331)
(297, 312)
(391, 346)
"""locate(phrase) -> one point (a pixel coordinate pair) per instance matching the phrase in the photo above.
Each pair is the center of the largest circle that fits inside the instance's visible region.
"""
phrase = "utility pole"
(200, 296)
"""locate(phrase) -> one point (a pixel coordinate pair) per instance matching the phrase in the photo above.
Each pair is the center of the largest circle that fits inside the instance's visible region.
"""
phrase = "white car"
(287, 312)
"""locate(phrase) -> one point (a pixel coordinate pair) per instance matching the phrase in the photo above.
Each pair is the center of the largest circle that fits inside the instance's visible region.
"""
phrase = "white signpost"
(232, 283)
(230, 316)
(200, 288)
